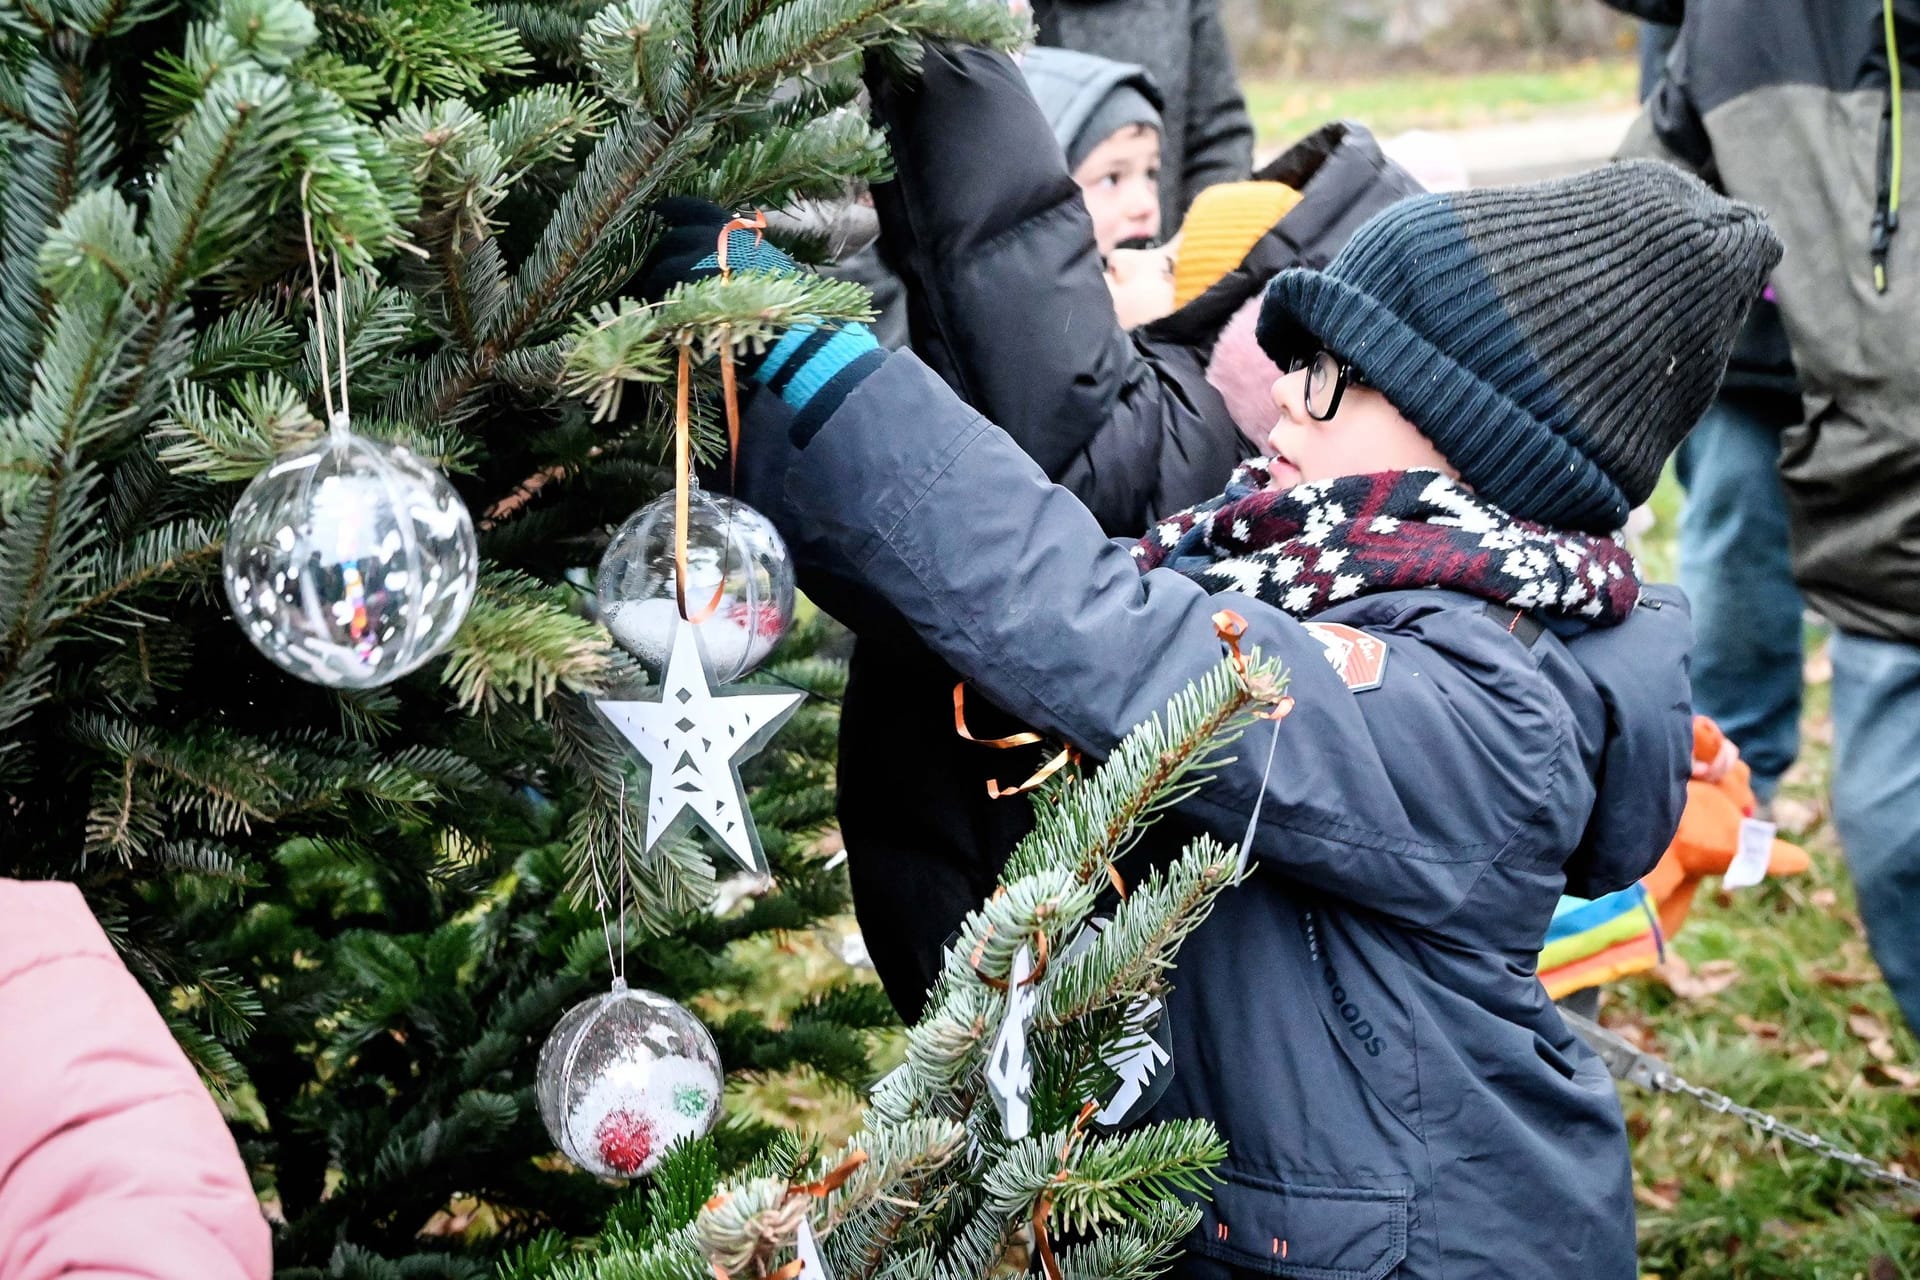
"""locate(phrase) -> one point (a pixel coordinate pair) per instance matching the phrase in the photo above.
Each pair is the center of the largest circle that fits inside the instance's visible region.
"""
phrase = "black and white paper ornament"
(625, 1076)
(350, 562)
(739, 584)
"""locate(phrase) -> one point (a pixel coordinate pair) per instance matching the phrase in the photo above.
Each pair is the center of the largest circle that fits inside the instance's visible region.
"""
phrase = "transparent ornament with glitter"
(736, 562)
(623, 1077)
(350, 562)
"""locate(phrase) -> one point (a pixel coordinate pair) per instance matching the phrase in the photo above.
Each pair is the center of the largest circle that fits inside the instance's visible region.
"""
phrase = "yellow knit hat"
(1223, 223)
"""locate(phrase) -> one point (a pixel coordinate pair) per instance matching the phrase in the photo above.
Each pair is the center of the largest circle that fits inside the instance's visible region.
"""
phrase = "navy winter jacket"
(1362, 1018)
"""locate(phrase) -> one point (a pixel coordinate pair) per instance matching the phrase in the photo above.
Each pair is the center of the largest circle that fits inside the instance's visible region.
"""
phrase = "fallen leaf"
(1812, 1059)
(1893, 1074)
(1883, 1268)
(1818, 668)
(1755, 1027)
(1662, 1195)
(1825, 899)
(1795, 816)
(1817, 729)
(1841, 978)
(1710, 979)
(1864, 1025)
(1882, 1049)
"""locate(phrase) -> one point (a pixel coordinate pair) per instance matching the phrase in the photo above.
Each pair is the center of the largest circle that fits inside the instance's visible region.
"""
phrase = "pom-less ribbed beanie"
(1556, 341)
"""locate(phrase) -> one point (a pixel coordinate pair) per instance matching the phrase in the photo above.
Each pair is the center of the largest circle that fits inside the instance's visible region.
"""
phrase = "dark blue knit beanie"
(1556, 341)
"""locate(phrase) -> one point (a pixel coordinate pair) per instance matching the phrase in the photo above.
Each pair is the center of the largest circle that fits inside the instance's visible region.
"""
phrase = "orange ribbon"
(683, 492)
(1230, 626)
(1000, 984)
(1060, 760)
(1044, 1206)
(683, 435)
(729, 384)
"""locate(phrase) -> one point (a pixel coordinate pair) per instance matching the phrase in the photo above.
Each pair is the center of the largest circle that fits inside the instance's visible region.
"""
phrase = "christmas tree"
(361, 910)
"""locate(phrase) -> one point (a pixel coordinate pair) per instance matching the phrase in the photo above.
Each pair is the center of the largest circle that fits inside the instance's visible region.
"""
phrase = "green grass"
(1284, 109)
(1716, 1200)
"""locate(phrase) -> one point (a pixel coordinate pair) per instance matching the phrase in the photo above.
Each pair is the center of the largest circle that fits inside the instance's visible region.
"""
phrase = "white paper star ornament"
(693, 740)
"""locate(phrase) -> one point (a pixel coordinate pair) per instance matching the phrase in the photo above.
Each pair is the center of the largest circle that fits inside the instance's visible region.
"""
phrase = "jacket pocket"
(1306, 1232)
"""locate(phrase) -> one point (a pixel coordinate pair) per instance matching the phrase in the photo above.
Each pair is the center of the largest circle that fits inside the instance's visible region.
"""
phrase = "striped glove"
(813, 367)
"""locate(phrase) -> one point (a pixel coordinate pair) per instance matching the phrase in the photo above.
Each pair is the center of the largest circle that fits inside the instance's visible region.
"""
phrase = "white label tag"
(1009, 1072)
(1749, 865)
(811, 1268)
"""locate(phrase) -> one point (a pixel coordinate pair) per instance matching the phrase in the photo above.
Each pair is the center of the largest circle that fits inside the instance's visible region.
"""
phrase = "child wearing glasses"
(1491, 709)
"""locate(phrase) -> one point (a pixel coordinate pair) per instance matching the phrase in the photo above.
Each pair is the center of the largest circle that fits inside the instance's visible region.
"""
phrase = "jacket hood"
(1343, 179)
(1633, 716)
(1071, 86)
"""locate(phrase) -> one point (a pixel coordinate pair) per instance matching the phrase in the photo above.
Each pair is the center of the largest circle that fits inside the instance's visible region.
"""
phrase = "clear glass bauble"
(351, 562)
(623, 1077)
(731, 548)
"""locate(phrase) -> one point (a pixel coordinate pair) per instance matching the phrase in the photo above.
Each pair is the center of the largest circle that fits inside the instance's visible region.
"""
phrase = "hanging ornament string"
(683, 438)
(792, 1208)
(616, 957)
(1230, 626)
(337, 421)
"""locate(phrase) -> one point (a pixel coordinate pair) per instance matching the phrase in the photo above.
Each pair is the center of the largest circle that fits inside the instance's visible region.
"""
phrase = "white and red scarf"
(1314, 545)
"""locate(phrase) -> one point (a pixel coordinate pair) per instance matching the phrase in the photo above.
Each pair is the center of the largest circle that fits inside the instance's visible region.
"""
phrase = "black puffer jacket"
(1008, 303)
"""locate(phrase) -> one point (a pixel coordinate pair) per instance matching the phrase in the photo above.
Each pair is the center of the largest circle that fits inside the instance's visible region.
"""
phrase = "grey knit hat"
(1556, 341)
(1087, 99)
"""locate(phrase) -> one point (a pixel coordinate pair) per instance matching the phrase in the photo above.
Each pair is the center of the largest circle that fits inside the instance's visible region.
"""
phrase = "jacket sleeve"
(1008, 579)
(1219, 141)
(114, 1162)
(1008, 302)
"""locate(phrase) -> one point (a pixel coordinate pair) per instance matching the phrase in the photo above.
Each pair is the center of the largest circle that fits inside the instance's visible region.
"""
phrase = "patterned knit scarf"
(1314, 545)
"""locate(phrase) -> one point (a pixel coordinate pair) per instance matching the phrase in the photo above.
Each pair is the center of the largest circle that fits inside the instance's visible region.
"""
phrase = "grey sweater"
(1208, 136)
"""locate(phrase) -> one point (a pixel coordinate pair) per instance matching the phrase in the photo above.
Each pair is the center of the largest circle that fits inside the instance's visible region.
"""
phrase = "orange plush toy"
(1710, 833)
(1590, 943)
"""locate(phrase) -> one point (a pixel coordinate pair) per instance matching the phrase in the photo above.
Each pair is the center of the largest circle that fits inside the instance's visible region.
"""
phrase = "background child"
(1106, 117)
(1508, 718)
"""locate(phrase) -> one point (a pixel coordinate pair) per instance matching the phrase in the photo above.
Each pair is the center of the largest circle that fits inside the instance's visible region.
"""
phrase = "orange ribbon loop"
(756, 224)
(1230, 627)
(1060, 760)
(980, 951)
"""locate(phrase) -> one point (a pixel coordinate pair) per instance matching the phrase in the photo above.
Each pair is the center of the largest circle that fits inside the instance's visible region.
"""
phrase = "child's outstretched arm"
(1009, 303)
(1398, 798)
(114, 1161)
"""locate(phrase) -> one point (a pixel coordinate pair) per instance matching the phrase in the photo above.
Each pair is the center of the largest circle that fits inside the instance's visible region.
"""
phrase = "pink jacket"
(114, 1161)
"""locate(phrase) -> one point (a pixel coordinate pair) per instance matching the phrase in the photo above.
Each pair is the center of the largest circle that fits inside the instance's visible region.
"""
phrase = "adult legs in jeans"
(1876, 798)
(1734, 567)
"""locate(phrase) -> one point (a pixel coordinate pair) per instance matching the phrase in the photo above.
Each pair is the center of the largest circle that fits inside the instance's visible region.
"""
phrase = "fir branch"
(520, 643)
(202, 436)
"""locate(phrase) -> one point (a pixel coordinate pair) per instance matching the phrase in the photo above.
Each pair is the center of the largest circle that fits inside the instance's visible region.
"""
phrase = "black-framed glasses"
(1327, 379)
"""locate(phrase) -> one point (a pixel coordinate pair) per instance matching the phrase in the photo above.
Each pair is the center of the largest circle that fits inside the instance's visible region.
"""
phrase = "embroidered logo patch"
(1360, 659)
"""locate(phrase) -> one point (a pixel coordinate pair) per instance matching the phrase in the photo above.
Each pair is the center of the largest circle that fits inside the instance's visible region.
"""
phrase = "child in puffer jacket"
(1490, 710)
(114, 1161)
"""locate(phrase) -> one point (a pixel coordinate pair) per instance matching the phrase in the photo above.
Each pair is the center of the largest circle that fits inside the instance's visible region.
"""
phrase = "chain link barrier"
(1637, 1067)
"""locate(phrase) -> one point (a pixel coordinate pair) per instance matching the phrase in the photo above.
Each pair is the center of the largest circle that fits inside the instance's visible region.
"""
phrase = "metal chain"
(1637, 1067)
